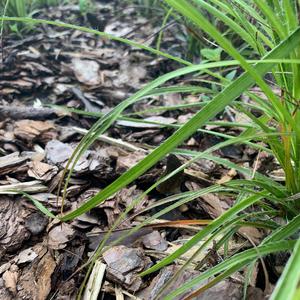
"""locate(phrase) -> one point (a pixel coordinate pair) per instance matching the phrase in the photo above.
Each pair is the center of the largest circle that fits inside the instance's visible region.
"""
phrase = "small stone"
(124, 264)
(26, 255)
(36, 223)
(155, 241)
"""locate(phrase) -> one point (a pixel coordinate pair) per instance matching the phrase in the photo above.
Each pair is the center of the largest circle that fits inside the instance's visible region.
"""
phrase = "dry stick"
(112, 141)
(267, 281)
(158, 31)
(126, 35)
(255, 165)
(25, 112)
(137, 6)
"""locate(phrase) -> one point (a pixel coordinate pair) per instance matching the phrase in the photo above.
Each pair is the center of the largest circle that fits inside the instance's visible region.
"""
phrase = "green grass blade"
(38, 205)
(224, 98)
(241, 10)
(287, 284)
(233, 25)
(203, 233)
(161, 31)
(239, 260)
(289, 7)
(285, 231)
(273, 19)
(197, 18)
(96, 32)
(104, 122)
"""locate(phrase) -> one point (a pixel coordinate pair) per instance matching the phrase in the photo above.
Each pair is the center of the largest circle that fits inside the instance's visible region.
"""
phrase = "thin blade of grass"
(238, 260)
(287, 284)
(96, 32)
(224, 98)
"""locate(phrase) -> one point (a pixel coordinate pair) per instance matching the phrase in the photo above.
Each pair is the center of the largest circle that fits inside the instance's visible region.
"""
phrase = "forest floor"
(46, 74)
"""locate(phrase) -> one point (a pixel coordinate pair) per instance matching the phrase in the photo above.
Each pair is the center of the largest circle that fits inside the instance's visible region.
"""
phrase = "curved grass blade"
(207, 230)
(189, 196)
(96, 32)
(37, 204)
(101, 125)
(277, 236)
(285, 231)
(234, 263)
(232, 24)
(104, 122)
(214, 281)
(190, 12)
(210, 110)
(287, 284)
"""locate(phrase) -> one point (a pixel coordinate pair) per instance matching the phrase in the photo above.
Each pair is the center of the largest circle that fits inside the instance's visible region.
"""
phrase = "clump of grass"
(85, 6)
(18, 8)
(279, 117)
(22, 9)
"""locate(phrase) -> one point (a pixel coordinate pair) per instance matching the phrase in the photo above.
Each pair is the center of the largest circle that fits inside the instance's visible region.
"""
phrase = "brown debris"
(133, 240)
(95, 162)
(223, 290)
(50, 201)
(10, 278)
(30, 130)
(126, 162)
(29, 187)
(252, 234)
(12, 163)
(42, 171)
(126, 197)
(164, 275)
(124, 264)
(40, 272)
(86, 71)
(173, 184)
(155, 241)
(12, 230)
(24, 112)
(57, 153)
(25, 256)
(212, 205)
(60, 235)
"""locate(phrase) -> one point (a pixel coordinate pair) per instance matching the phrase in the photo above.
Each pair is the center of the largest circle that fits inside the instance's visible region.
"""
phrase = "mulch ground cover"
(46, 74)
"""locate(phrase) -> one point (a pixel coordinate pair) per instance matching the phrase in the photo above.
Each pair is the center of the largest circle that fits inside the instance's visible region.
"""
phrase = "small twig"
(255, 165)
(34, 186)
(267, 281)
(293, 197)
(25, 112)
(158, 31)
(93, 287)
(112, 141)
